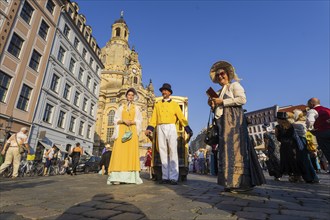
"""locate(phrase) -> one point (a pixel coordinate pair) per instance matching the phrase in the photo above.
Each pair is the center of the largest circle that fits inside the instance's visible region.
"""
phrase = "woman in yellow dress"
(124, 163)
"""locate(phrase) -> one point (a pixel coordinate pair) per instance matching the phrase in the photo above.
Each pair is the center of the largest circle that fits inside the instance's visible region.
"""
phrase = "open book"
(211, 93)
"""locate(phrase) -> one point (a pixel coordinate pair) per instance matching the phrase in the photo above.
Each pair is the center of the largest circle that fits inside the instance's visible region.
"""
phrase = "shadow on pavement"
(271, 200)
(7, 184)
(103, 206)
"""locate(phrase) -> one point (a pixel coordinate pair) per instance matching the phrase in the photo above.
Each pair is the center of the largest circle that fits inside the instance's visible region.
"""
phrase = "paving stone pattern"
(87, 196)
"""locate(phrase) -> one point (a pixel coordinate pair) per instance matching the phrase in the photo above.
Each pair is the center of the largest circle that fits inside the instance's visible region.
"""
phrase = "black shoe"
(173, 182)
(164, 182)
(241, 190)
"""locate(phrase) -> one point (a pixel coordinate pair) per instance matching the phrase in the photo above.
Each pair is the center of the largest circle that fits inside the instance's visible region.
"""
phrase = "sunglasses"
(220, 73)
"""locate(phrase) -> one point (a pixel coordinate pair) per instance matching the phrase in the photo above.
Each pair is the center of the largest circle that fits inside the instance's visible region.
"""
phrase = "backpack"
(310, 144)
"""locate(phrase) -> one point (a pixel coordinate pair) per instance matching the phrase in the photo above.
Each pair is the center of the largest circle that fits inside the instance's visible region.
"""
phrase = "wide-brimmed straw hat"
(167, 87)
(222, 65)
(136, 96)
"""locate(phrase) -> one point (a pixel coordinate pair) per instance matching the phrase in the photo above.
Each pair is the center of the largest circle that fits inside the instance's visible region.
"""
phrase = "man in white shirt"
(318, 122)
(11, 149)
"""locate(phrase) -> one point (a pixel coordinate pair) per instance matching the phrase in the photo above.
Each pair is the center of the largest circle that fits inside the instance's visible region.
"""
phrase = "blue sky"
(280, 49)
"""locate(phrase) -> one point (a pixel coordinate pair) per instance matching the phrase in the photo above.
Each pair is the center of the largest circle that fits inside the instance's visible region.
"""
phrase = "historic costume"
(303, 155)
(288, 149)
(124, 164)
(239, 169)
(165, 114)
(273, 154)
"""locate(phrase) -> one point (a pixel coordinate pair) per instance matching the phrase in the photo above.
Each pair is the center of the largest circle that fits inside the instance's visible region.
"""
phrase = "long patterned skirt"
(238, 163)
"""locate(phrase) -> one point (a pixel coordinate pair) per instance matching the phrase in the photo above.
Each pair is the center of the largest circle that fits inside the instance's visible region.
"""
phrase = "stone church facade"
(122, 70)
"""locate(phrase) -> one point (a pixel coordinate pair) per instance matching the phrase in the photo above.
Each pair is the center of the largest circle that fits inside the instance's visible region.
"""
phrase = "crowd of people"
(293, 148)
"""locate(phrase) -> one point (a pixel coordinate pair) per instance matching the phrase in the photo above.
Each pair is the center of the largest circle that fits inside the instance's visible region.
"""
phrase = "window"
(93, 45)
(54, 83)
(109, 134)
(60, 56)
(80, 74)
(117, 32)
(76, 98)
(97, 68)
(48, 113)
(35, 59)
(72, 123)
(89, 131)
(72, 64)
(111, 117)
(70, 12)
(84, 53)
(112, 100)
(76, 43)
(135, 80)
(92, 110)
(66, 92)
(91, 62)
(43, 30)
(4, 85)
(88, 82)
(15, 45)
(86, 35)
(24, 98)
(27, 12)
(60, 122)
(81, 128)
(94, 88)
(66, 30)
(50, 6)
(79, 24)
(84, 107)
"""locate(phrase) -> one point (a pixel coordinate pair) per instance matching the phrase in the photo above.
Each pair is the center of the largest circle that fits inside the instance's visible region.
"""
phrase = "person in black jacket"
(105, 160)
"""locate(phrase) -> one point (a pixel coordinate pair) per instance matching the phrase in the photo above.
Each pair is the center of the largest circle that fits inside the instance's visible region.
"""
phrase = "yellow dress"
(124, 163)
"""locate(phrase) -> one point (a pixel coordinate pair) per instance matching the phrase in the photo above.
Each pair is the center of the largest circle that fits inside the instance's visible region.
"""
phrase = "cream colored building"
(27, 32)
(122, 71)
(66, 110)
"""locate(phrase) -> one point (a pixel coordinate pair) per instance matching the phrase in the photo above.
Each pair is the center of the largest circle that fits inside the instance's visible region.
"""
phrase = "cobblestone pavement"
(87, 196)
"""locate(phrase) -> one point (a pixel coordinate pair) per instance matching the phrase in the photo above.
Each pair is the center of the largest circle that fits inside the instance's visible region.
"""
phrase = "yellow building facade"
(122, 71)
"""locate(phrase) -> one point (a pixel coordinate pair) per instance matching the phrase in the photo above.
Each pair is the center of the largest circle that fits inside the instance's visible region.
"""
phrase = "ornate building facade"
(122, 70)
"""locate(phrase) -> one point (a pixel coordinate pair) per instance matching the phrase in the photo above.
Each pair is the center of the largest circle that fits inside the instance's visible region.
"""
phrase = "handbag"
(212, 132)
(127, 135)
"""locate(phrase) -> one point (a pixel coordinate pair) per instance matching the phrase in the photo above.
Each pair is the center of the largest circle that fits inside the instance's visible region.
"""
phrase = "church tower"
(122, 70)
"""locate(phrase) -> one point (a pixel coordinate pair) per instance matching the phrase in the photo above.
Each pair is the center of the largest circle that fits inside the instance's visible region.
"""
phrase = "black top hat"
(167, 87)
(282, 115)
